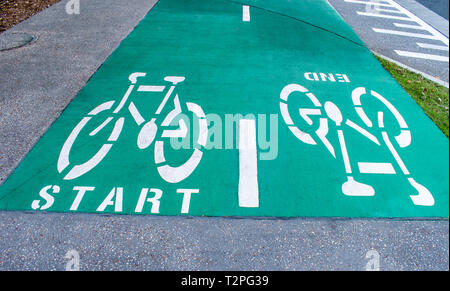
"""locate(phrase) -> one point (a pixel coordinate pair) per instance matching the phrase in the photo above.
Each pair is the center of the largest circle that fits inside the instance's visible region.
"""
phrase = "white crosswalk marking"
(369, 3)
(422, 56)
(433, 46)
(402, 25)
(384, 16)
(388, 10)
(403, 33)
(397, 12)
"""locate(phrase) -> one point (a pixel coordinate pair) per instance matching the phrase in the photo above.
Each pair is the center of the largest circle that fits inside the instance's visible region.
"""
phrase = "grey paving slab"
(40, 79)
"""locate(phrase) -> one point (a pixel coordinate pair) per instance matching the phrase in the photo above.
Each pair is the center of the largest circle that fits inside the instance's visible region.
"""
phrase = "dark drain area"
(9, 41)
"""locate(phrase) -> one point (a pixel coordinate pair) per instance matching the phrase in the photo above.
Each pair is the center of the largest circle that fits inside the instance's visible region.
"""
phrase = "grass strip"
(430, 96)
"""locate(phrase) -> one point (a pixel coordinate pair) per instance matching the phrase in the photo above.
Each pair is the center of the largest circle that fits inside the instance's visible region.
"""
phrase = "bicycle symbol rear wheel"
(175, 174)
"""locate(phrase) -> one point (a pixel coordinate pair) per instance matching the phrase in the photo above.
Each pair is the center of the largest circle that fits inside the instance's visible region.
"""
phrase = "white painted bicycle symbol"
(147, 134)
(352, 187)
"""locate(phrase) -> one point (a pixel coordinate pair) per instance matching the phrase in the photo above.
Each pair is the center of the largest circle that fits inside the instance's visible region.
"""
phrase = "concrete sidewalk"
(40, 79)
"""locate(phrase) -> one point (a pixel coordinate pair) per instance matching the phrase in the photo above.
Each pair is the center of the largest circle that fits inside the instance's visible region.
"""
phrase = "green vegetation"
(430, 96)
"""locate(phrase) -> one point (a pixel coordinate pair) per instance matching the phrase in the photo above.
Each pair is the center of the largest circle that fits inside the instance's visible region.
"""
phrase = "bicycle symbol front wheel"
(78, 170)
(175, 174)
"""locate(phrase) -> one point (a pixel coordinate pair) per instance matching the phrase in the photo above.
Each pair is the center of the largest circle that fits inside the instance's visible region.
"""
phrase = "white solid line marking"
(245, 13)
(403, 33)
(376, 168)
(248, 167)
(433, 46)
(422, 56)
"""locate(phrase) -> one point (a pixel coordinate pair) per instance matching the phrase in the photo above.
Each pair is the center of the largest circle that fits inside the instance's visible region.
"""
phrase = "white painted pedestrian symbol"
(148, 132)
(330, 111)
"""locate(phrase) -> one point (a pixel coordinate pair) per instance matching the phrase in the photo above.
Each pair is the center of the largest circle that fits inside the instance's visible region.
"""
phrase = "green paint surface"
(234, 67)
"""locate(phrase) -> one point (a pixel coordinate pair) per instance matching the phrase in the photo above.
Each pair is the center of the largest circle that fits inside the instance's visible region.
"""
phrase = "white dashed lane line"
(245, 13)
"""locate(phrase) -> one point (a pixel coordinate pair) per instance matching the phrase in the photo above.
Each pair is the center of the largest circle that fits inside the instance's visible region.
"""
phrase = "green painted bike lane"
(226, 108)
